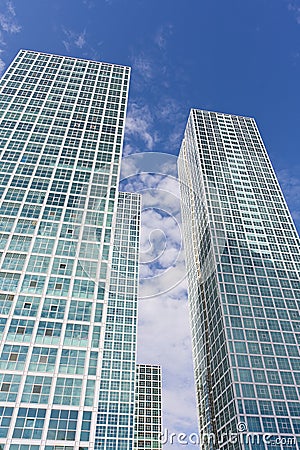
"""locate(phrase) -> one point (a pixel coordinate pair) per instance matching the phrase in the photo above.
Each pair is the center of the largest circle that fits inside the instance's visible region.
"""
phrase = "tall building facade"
(69, 256)
(115, 422)
(243, 263)
(148, 415)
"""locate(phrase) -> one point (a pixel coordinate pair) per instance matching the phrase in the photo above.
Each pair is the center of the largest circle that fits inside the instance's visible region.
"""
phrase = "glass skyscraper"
(148, 416)
(69, 257)
(243, 263)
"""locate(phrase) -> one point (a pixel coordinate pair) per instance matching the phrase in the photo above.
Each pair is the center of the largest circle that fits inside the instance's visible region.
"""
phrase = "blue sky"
(240, 57)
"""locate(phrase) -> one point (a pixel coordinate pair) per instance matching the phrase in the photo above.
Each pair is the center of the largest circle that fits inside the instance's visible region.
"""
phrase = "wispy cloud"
(174, 115)
(74, 39)
(294, 7)
(142, 121)
(8, 25)
(290, 183)
(80, 41)
(139, 128)
(144, 66)
(89, 3)
(162, 266)
(169, 109)
(162, 36)
(8, 20)
(2, 66)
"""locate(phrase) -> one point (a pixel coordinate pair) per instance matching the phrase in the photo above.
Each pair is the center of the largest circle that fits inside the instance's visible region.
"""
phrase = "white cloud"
(290, 183)
(175, 138)
(162, 259)
(129, 149)
(143, 65)
(72, 38)
(169, 257)
(2, 66)
(295, 8)
(129, 167)
(169, 109)
(139, 125)
(8, 25)
(140, 169)
(161, 235)
(8, 22)
(162, 35)
(80, 41)
(89, 3)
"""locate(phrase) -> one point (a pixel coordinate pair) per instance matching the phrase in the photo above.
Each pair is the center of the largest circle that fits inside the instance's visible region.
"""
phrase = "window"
(43, 359)
(30, 423)
(38, 263)
(14, 261)
(5, 414)
(58, 284)
(20, 330)
(27, 306)
(33, 284)
(72, 361)
(9, 281)
(54, 308)
(62, 425)
(77, 335)
(67, 391)
(13, 357)
(80, 310)
(48, 332)
(36, 388)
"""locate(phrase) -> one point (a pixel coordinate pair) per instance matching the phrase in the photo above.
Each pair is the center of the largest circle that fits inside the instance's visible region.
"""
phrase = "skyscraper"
(243, 262)
(115, 422)
(69, 255)
(148, 420)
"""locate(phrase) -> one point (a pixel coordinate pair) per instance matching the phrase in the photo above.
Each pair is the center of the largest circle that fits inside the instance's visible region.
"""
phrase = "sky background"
(239, 57)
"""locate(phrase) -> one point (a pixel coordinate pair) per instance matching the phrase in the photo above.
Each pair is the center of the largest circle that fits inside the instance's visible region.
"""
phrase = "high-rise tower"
(243, 265)
(69, 256)
(148, 420)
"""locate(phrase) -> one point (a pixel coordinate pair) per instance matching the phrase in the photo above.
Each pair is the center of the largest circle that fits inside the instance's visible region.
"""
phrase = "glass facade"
(243, 262)
(148, 419)
(115, 423)
(67, 316)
